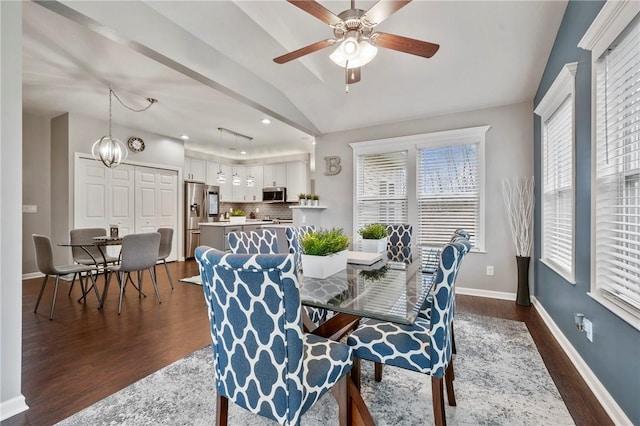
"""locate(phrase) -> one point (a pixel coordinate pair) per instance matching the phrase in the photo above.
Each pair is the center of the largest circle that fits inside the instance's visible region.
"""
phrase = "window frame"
(607, 27)
(411, 144)
(560, 90)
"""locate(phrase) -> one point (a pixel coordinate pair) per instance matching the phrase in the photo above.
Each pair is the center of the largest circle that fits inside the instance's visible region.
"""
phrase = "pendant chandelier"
(235, 178)
(221, 178)
(109, 150)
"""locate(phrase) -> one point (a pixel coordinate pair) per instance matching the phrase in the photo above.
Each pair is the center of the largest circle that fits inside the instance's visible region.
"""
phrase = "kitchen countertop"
(278, 225)
(227, 223)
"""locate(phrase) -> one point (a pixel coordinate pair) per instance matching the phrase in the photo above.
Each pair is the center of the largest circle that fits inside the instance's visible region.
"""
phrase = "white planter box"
(323, 266)
(234, 220)
(375, 246)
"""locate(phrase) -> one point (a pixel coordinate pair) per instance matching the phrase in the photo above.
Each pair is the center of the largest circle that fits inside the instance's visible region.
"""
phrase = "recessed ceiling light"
(243, 152)
(313, 143)
(185, 137)
(266, 121)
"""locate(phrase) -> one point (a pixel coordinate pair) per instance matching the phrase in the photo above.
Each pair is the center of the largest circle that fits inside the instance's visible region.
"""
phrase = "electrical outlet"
(489, 270)
(588, 329)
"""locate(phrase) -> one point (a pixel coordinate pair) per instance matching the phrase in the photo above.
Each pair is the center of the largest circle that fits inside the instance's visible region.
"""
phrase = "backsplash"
(273, 211)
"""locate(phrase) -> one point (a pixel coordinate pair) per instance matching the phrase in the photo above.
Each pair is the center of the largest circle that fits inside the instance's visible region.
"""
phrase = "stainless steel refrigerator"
(201, 204)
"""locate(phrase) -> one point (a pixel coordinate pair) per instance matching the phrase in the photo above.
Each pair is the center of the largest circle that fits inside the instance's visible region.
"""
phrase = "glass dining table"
(392, 289)
(99, 258)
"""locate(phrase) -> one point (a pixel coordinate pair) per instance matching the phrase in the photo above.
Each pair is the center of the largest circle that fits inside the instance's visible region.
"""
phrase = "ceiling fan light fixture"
(366, 53)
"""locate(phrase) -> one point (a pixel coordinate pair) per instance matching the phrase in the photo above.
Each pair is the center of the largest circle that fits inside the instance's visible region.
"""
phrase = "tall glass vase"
(522, 297)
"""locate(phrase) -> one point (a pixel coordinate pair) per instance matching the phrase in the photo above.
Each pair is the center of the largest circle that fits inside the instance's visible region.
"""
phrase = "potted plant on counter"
(302, 199)
(237, 216)
(374, 238)
(316, 200)
(324, 252)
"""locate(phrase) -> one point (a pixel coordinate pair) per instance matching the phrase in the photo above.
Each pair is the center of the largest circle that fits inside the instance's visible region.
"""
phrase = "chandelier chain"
(150, 100)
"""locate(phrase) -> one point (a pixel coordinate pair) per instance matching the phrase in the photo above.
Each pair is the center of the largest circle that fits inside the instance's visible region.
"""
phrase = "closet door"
(156, 202)
(103, 196)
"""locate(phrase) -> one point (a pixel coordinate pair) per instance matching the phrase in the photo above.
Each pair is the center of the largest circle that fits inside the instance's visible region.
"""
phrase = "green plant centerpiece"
(324, 252)
(237, 216)
(374, 238)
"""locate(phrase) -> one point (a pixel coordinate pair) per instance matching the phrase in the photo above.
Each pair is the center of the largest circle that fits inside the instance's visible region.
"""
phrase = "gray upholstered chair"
(166, 241)
(44, 260)
(89, 255)
(139, 253)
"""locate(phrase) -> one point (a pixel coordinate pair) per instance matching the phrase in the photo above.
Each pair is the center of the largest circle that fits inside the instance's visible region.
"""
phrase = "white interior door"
(167, 196)
(146, 200)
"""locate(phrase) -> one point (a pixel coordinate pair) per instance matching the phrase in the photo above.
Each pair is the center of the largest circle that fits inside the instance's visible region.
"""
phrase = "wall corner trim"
(13, 406)
(608, 403)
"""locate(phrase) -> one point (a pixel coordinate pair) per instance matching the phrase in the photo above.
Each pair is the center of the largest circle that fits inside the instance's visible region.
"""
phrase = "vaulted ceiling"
(210, 64)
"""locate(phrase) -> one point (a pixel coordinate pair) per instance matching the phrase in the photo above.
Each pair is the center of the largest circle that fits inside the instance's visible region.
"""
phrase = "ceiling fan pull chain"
(346, 76)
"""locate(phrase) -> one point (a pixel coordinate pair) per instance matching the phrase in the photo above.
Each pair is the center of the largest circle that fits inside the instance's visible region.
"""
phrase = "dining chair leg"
(439, 417)
(107, 281)
(377, 371)
(83, 286)
(122, 281)
(55, 293)
(222, 410)
(449, 376)
(44, 283)
(139, 284)
(155, 283)
(166, 268)
(453, 340)
(355, 372)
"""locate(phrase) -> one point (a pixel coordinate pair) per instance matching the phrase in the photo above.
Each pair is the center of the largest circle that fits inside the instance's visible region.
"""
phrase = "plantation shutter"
(617, 172)
(557, 183)
(382, 189)
(448, 193)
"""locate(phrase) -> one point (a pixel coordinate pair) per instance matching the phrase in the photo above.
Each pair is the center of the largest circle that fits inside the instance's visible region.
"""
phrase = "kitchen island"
(214, 234)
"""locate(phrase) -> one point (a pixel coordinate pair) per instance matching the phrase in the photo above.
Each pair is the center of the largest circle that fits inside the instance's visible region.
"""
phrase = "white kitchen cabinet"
(275, 175)
(254, 193)
(297, 180)
(194, 169)
(239, 191)
(226, 192)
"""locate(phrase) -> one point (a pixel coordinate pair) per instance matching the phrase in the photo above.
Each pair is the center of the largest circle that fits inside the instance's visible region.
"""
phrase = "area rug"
(192, 280)
(500, 380)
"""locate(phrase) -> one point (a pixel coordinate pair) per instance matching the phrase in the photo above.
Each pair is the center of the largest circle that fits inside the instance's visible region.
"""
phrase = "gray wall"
(509, 152)
(614, 355)
(36, 187)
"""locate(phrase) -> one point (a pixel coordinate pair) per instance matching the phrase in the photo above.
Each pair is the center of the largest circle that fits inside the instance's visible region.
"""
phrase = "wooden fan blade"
(405, 44)
(304, 51)
(382, 10)
(317, 10)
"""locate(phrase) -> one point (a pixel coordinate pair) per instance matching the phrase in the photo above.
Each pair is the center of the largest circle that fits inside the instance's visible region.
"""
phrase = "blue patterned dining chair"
(424, 346)
(253, 242)
(399, 239)
(294, 234)
(262, 359)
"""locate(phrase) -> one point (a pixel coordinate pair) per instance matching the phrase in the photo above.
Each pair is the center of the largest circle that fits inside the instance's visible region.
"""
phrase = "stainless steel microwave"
(274, 195)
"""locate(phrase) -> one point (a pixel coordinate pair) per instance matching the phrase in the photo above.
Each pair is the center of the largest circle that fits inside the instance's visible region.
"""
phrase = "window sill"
(625, 315)
(562, 272)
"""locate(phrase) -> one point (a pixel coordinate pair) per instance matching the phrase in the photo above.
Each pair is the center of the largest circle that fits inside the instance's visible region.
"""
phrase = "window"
(616, 185)
(556, 110)
(441, 191)
(448, 193)
(381, 188)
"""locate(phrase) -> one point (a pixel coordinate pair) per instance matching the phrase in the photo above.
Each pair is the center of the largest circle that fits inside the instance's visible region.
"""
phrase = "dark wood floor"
(84, 354)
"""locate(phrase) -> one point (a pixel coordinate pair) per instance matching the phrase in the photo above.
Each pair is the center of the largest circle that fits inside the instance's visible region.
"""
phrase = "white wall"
(509, 152)
(11, 399)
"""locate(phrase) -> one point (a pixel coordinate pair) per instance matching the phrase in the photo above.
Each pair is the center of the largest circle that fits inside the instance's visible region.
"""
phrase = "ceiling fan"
(353, 30)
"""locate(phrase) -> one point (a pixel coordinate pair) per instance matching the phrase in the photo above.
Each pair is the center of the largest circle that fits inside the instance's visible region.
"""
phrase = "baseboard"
(12, 407)
(608, 402)
(486, 293)
(32, 275)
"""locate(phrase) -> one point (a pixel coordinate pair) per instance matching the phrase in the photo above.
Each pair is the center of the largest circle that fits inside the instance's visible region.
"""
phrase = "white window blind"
(617, 172)
(557, 182)
(382, 188)
(448, 193)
